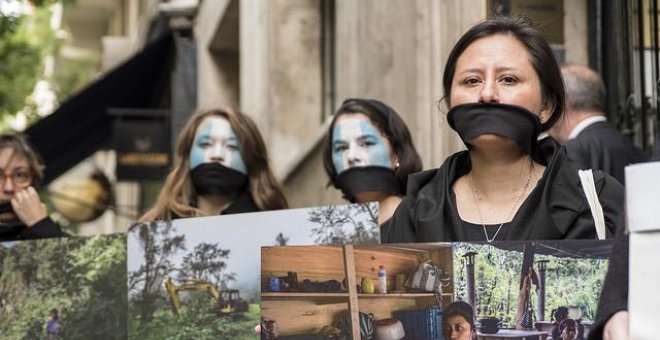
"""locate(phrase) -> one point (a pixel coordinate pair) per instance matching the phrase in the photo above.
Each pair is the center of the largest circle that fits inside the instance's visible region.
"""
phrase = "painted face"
(16, 176)
(497, 69)
(357, 142)
(216, 141)
(456, 327)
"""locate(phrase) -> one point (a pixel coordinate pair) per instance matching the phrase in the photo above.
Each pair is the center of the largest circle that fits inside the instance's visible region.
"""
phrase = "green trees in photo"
(569, 282)
(83, 278)
(150, 312)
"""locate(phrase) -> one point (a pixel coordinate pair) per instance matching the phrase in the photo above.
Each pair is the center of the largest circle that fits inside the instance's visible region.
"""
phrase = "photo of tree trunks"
(64, 288)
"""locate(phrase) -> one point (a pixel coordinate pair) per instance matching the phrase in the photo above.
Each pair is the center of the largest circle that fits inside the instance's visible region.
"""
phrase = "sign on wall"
(141, 139)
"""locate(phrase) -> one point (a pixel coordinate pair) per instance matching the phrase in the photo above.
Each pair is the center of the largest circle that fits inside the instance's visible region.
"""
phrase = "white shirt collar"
(579, 127)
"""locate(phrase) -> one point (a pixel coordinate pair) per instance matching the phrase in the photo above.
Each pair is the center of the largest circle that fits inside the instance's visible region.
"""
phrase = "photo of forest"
(573, 275)
(199, 278)
(81, 279)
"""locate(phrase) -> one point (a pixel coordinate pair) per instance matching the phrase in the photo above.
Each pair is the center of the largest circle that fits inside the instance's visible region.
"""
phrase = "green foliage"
(197, 321)
(159, 243)
(25, 41)
(20, 61)
(207, 262)
(150, 314)
(332, 221)
(569, 282)
(84, 278)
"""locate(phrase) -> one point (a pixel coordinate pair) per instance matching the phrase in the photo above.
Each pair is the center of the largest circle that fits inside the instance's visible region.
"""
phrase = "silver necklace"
(476, 200)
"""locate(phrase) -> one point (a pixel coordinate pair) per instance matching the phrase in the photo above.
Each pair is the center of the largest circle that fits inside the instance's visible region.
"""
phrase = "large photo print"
(200, 277)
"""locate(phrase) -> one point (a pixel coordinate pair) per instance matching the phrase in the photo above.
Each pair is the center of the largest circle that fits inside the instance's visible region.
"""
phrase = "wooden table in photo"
(514, 334)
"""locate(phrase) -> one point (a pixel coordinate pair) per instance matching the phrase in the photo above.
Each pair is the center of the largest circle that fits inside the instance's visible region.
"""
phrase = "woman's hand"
(28, 206)
(616, 327)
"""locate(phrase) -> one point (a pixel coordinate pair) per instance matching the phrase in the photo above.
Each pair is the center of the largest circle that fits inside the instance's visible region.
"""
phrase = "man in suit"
(589, 138)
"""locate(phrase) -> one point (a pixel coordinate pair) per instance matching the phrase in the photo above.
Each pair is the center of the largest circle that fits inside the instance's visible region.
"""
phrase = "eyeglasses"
(458, 328)
(20, 176)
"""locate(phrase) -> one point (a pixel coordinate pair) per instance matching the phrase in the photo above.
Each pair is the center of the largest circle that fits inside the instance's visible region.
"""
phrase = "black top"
(556, 209)
(614, 295)
(45, 228)
(600, 146)
(242, 204)
(475, 232)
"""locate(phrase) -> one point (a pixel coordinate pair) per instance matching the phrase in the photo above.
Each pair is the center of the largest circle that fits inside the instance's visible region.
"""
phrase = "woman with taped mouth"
(369, 154)
(503, 87)
(220, 167)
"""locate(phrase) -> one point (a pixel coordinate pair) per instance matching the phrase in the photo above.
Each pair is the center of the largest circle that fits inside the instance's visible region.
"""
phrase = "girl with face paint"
(221, 167)
(503, 87)
(369, 154)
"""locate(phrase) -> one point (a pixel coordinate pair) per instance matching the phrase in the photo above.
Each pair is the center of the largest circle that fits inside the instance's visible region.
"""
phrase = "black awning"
(81, 125)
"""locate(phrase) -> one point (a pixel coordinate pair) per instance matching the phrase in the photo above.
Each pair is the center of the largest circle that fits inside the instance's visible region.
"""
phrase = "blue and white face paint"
(216, 141)
(356, 142)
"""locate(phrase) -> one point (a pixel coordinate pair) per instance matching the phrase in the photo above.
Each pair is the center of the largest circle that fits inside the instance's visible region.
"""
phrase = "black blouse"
(556, 209)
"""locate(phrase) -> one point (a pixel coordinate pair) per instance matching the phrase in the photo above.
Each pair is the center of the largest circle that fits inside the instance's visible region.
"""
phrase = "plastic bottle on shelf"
(382, 280)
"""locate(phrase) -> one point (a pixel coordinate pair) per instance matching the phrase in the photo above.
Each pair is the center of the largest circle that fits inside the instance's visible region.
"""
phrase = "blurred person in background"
(589, 138)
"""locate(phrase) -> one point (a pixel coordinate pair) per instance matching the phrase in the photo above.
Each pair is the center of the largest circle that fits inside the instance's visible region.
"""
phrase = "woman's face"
(216, 141)
(357, 142)
(456, 327)
(497, 69)
(16, 175)
(569, 333)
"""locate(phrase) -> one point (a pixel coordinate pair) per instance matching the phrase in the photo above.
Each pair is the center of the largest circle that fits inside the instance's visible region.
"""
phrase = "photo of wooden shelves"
(306, 313)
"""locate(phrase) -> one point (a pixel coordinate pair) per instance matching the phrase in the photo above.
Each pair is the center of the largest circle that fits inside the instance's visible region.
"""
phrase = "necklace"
(481, 218)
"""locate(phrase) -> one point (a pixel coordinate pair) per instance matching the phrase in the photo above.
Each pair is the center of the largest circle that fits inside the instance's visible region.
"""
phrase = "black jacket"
(600, 146)
(614, 295)
(556, 209)
(45, 228)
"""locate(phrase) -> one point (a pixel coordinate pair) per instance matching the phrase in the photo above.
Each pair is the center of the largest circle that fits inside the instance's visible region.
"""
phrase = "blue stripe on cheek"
(196, 151)
(236, 160)
(379, 153)
(337, 156)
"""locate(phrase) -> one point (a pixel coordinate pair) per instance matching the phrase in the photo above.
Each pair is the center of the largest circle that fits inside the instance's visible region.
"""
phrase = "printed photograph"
(540, 289)
(351, 292)
(500, 290)
(64, 288)
(200, 277)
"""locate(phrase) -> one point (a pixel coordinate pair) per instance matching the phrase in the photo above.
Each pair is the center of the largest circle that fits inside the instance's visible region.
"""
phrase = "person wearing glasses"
(22, 214)
(458, 321)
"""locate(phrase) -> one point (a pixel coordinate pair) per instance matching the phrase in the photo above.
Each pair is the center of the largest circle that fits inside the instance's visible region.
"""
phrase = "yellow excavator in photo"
(228, 301)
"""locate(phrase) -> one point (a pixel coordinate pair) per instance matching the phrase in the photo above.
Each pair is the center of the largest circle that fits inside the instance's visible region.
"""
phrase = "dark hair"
(541, 57)
(585, 89)
(20, 145)
(461, 308)
(561, 311)
(55, 314)
(391, 125)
